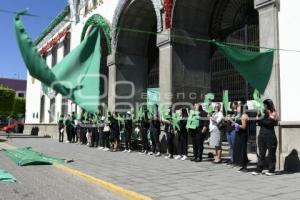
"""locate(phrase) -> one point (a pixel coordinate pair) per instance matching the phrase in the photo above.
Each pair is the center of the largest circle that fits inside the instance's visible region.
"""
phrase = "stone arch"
(122, 5)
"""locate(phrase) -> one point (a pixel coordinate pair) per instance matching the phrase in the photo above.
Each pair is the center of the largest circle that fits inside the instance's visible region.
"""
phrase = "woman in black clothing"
(114, 132)
(128, 132)
(182, 136)
(155, 133)
(144, 131)
(267, 139)
(170, 134)
(240, 157)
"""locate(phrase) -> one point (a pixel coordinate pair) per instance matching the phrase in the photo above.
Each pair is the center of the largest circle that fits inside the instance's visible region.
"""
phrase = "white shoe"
(184, 158)
(150, 153)
(129, 151)
(100, 148)
(270, 174)
(124, 151)
(178, 157)
(256, 173)
(158, 154)
(67, 141)
(106, 149)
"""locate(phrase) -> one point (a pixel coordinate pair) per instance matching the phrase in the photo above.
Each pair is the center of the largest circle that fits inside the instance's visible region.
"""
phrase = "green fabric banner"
(255, 67)
(26, 156)
(6, 177)
(77, 76)
(208, 102)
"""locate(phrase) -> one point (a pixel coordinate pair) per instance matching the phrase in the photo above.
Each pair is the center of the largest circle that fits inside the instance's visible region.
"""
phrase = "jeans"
(231, 139)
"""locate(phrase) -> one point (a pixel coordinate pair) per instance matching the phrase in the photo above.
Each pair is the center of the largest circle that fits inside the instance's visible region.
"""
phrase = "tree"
(19, 107)
(7, 97)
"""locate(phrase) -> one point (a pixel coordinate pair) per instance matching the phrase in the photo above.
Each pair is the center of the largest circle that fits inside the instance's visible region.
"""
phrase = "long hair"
(270, 105)
(184, 113)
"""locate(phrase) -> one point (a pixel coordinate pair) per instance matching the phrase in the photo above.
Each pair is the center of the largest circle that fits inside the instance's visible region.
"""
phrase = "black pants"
(127, 140)
(69, 133)
(145, 139)
(73, 134)
(156, 146)
(267, 142)
(83, 131)
(170, 143)
(95, 137)
(106, 140)
(61, 134)
(198, 140)
(101, 137)
(182, 143)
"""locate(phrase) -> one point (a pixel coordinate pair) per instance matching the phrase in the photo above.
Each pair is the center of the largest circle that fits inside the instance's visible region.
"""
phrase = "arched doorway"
(200, 66)
(137, 54)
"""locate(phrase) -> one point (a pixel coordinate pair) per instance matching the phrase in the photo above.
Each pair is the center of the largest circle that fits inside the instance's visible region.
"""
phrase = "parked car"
(13, 125)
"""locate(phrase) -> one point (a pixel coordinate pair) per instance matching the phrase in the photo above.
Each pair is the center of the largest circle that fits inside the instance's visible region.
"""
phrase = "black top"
(204, 122)
(155, 124)
(182, 125)
(267, 125)
(128, 125)
(114, 126)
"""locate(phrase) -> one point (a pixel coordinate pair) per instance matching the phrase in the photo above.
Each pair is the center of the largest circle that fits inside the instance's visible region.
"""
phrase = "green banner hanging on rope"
(77, 76)
(208, 102)
(255, 67)
(26, 156)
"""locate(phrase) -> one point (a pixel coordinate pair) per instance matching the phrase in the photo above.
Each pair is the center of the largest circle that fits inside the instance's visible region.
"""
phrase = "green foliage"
(19, 107)
(7, 97)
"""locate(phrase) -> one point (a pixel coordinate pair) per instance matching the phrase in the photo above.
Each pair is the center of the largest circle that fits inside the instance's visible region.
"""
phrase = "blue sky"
(11, 64)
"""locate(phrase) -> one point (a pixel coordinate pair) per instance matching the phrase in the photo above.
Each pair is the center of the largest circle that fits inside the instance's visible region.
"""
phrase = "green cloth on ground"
(26, 156)
(6, 177)
(254, 67)
(77, 76)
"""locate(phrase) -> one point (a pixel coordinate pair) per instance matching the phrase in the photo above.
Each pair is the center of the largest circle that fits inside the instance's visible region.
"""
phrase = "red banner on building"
(168, 5)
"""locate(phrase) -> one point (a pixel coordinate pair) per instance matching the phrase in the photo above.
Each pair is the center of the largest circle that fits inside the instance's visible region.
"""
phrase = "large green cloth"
(6, 177)
(225, 101)
(26, 156)
(77, 76)
(255, 67)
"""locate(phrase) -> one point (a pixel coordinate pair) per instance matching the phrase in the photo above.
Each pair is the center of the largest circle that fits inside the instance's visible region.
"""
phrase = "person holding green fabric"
(192, 126)
(114, 132)
(182, 136)
(74, 138)
(167, 121)
(61, 127)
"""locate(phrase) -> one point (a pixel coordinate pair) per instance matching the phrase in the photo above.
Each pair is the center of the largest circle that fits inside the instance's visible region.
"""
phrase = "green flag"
(225, 100)
(77, 75)
(255, 67)
(258, 102)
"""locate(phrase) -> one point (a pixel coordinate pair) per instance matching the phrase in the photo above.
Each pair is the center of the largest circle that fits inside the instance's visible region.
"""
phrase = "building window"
(77, 7)
(95, 2)
(67, 44)
(64, 106)
(54, 55)
(21, 95)
(52, 110)
(42, 109)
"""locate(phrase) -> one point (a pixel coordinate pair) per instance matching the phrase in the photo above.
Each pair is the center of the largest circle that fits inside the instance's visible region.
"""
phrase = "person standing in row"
(193, 123)
(267, 138)
(144, 132)
(114, 132)
(182, 136)
(155, 133)
(201, 135)
(106, 133)
(215, 133)
(128, 132)
(61, 127)
(68, 125)
(240, 157)
(167, 120)
(231, 131)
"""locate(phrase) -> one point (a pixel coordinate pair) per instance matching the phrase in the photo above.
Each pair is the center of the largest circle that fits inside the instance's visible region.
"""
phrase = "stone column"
(112, 78)
(268, 31)
(165, 66)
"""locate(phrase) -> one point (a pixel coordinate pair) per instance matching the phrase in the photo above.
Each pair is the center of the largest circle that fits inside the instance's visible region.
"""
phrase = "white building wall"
(32, 100)
(289, 38)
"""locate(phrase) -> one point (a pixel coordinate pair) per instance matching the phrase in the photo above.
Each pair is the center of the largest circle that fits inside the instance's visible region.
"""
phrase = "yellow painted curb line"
(106, 185)
(96, 181)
